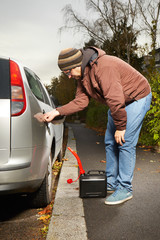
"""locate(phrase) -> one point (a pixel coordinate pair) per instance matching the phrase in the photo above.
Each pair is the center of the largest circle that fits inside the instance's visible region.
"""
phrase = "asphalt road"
(137, 219)
(18, 221)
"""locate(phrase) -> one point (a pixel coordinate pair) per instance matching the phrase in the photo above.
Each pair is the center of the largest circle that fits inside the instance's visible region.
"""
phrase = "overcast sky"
(29, 33)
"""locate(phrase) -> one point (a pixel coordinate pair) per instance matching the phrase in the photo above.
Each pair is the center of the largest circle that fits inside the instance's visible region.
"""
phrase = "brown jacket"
(111, 81)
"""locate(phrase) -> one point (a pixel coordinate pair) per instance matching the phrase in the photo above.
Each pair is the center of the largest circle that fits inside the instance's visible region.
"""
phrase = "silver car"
(28, 146)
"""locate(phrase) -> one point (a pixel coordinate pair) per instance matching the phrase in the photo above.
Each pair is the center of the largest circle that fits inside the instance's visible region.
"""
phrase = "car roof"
(3, 57)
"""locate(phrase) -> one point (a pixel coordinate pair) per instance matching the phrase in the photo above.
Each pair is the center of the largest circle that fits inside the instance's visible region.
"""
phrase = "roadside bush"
(96, 115)
(150, 134)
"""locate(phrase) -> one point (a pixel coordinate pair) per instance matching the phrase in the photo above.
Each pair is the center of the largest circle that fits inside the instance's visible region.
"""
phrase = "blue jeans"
(121, 159)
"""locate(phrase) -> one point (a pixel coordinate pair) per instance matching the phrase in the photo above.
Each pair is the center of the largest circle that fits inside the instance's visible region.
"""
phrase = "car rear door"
(41, 130)
(56, 125)
(5, 110)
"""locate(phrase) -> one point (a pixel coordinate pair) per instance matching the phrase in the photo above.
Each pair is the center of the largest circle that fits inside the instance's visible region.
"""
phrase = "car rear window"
(5, 92)
(44, 94)
(34, 86)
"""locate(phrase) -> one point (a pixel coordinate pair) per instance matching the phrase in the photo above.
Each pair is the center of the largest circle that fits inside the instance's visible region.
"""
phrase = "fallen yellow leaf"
(44, 217)
(44, 229)
(75, 166)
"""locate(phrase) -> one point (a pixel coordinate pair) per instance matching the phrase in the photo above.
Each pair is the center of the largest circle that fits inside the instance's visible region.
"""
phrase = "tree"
(149, 12)
(105, 25)
(90, 43)
(52, 87)
(62, 88)
(123, 35)
(111, 47)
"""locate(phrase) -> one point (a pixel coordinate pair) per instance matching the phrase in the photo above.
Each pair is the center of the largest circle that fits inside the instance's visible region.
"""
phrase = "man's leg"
(127, 153)
(136, 112)
(111, 147)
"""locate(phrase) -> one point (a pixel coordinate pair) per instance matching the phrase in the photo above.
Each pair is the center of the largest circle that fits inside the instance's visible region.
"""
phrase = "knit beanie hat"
(69, 58)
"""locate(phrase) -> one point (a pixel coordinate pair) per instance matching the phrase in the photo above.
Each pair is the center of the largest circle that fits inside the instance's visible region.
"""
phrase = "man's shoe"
(119, 196)
(110, 189)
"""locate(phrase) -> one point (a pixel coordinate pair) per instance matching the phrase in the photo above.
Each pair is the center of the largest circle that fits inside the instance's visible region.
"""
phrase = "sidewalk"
(136, 219)
(67, 221)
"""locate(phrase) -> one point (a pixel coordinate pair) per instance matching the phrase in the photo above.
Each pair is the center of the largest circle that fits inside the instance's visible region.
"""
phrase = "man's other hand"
(119, 136)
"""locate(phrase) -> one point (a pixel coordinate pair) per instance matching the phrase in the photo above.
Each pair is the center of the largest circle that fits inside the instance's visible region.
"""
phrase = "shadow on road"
(13, 207)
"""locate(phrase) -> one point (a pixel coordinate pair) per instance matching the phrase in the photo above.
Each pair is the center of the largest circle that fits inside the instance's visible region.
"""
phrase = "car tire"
(43, 196)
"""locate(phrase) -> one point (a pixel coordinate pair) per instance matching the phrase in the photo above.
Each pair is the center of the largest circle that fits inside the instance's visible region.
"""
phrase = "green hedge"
(150, 134)
(96, 115)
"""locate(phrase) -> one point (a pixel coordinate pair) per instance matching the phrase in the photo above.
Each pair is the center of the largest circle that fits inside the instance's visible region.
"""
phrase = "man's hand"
(119, 136)
(49, 116)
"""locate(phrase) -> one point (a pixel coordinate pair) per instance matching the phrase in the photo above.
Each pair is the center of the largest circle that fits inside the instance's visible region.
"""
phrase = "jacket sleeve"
(110, 83)
(80, 102)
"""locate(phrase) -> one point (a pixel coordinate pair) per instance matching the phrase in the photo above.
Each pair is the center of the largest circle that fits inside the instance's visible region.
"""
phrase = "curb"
(67, 221)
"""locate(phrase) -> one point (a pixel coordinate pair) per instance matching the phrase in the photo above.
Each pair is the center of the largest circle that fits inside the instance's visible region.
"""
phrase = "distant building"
(148, 57)
(157, 58)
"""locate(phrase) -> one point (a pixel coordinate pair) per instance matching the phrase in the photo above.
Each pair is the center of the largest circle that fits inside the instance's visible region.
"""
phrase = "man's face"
(74, 73)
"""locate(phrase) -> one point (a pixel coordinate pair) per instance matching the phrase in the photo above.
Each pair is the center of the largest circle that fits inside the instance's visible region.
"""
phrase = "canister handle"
(95, 171)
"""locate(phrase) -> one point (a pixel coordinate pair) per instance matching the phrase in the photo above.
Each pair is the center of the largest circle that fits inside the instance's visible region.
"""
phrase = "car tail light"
(17, 90)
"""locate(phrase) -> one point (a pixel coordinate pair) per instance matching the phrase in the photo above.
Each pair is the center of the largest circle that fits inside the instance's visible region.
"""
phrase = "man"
(115, 83)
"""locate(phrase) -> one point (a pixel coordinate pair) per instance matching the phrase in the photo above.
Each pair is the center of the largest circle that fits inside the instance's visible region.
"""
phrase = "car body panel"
(4, 111)
(5, 130)
(26, 141)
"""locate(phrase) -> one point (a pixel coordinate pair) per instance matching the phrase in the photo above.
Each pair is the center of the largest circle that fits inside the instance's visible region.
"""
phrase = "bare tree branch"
(150, 12)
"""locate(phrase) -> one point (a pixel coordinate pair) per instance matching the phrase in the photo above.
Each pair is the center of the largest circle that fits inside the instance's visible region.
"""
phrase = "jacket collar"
(90, 55)
(87, 55)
